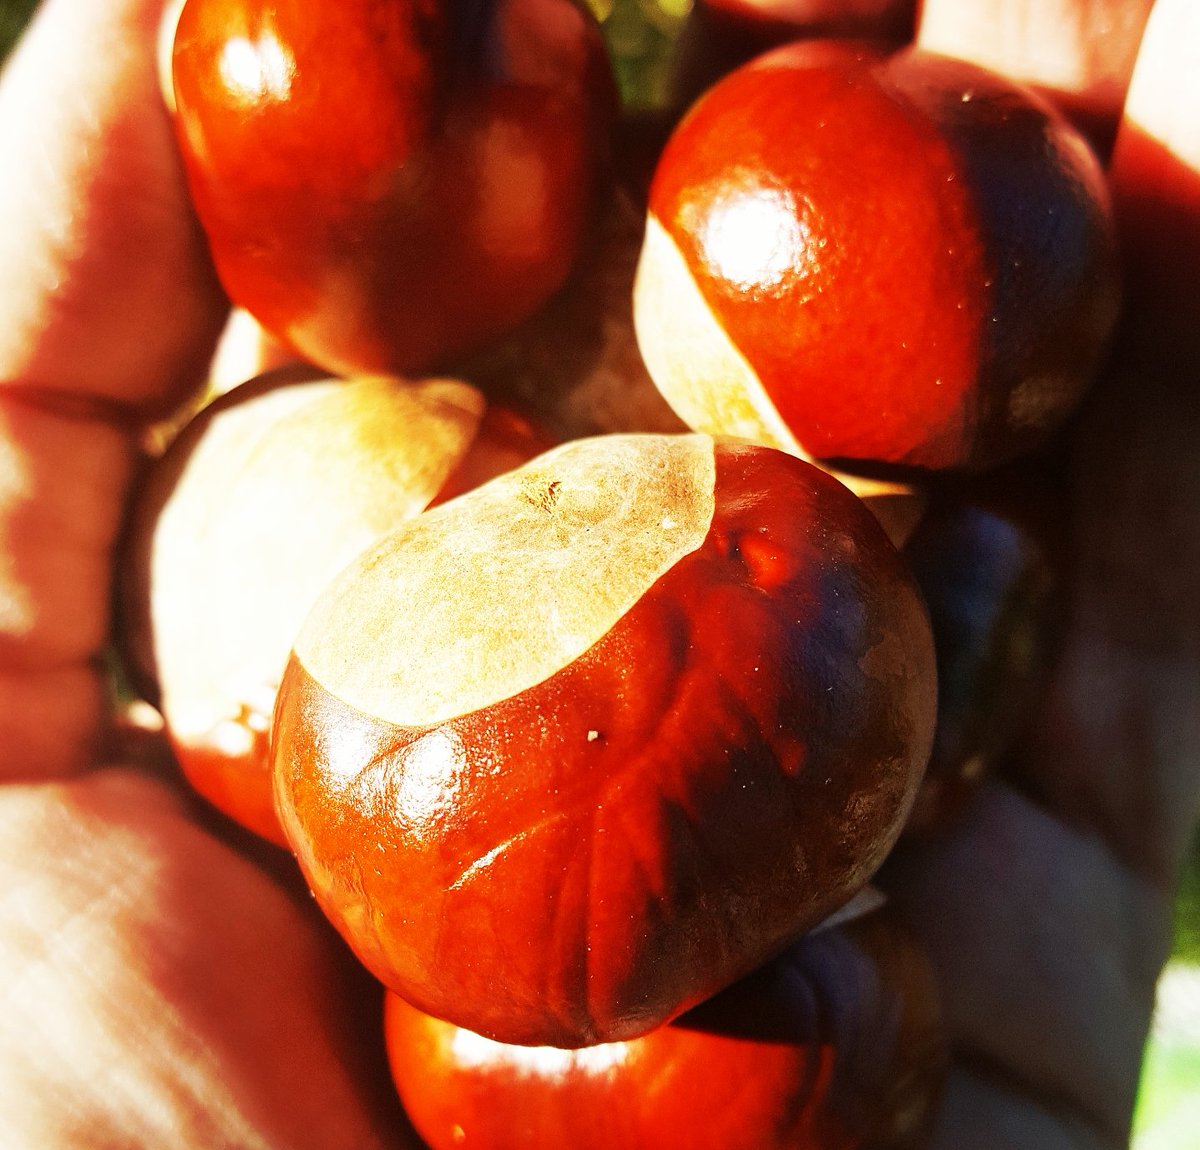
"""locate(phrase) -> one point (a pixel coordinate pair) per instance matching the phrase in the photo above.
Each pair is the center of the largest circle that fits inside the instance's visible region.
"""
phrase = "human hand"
(165, 989)
(161, 988)
(1047, 913)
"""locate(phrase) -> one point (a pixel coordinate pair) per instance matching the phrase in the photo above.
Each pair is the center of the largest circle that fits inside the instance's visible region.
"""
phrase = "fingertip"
(1079, 55)
(106, 285)
(1155, 174)
(1163, 102)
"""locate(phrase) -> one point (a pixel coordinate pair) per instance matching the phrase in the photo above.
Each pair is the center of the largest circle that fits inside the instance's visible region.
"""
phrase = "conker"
(256, 505)
(898, 260)
(388, 183)
(995, 600)
(565, 756)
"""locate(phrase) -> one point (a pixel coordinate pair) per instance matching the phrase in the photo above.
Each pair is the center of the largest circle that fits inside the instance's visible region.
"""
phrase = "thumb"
(110, 309)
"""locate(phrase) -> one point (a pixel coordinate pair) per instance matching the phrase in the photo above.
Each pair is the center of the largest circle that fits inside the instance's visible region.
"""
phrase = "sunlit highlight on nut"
(253, 69)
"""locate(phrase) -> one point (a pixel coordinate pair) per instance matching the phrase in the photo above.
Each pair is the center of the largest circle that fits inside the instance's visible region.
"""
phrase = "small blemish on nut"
(540, 493)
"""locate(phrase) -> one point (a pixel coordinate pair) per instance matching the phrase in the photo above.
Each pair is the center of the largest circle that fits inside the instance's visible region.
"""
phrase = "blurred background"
(640, 34)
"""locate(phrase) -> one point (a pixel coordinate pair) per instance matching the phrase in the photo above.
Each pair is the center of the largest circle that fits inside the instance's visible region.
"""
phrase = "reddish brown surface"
(588, 858)
(834, 1046)
(951, 243)
(237, 785)
(405, 187)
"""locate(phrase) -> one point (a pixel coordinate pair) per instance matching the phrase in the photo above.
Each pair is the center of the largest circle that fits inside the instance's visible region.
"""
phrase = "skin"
(109, 310)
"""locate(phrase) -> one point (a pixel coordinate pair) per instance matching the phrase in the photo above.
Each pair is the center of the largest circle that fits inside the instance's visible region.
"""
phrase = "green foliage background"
(13, 16)
(1187, 912)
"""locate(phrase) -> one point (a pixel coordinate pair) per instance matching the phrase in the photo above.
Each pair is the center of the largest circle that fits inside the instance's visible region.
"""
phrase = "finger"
(1121, 745)
(1156, 182)
(1047, 950)
(1048, 924)
(160, 990)
(1079, 52)
(58, 525)
(106, 289)
(110, 312)
(979, 1114)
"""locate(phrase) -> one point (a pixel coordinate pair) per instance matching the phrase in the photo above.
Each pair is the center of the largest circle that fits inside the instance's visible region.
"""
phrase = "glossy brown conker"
(837, 1044)
(386, 184)
(567, 755)
(881, 260)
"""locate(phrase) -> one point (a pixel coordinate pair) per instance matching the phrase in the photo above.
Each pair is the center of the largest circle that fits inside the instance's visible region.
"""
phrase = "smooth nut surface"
(899, 260)
(697, 693)
(995, 599)
(385, 185)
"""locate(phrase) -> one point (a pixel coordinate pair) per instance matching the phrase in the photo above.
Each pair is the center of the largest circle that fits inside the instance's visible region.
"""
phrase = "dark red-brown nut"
(993, 596)
(564, 757)
(576, 362)
(387, 183)
(876, 259)
(835, 1045)
(261, 500)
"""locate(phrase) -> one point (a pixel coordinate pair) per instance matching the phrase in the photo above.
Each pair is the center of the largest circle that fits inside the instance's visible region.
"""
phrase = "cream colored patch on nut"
(279, 493)
(164, 50)
(701, 373)
(493, 592)
(703, 376)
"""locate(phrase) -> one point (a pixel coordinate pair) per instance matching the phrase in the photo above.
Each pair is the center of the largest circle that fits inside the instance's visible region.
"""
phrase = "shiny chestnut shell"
(837, 1044)
(879, 259)
(388, 183)
(584, 853)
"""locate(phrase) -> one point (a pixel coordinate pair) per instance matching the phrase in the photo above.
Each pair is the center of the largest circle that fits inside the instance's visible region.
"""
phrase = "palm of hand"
(164, 989)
